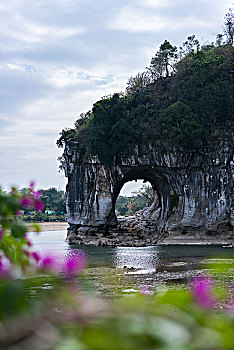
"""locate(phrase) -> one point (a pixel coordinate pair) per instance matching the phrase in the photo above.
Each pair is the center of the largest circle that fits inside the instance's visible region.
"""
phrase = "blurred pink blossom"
(26, 201)
(36, 256)
(29, 243)
(32, 183)
(75, 264)
(39, 205)
(202, 291)
(48, 263)
(37, 194)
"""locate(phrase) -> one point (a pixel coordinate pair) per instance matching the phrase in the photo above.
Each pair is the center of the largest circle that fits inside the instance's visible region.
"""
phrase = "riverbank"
(50, 226)
(128, 239)
(117, 237)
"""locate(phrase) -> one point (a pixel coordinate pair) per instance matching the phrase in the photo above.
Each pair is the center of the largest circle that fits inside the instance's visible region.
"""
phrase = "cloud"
(18, 87)
(58, 57)
(49, 99)
(4, 123)
(23, 31)
(156, 3)
(158, 16)
(137, 20)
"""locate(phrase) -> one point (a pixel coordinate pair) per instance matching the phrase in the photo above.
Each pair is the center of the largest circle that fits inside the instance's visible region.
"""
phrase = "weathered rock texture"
(193, 196)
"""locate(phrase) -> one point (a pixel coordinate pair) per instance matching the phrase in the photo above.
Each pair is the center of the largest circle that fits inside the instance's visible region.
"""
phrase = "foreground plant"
(44, 306)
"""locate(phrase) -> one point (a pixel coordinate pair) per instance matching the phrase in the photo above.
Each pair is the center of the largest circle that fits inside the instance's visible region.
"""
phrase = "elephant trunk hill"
(175, 132)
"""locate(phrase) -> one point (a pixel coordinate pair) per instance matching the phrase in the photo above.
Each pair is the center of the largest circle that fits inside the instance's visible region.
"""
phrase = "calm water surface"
(114, 270)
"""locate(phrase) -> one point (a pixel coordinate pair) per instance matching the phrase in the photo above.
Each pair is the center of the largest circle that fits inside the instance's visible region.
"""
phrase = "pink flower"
(26, 201)
(29, 243)
(202, 291)
(48, 263)
(32, 183)
(37, 194)
(75, 264)
(36, 256)
(39, 205)
(1, 233)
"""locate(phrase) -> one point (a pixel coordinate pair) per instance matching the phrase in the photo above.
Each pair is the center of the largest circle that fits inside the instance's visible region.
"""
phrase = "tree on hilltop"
(190, 46)
(163, 62)
(229, 27)
(138, 83)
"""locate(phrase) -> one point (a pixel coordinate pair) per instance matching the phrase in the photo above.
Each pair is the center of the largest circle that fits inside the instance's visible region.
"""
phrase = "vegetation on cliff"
(181, 101)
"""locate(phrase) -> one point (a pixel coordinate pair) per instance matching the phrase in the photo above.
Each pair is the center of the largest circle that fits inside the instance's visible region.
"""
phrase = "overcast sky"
(57, 57)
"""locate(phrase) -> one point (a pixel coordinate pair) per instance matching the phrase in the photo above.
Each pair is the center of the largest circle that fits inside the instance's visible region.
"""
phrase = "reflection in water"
(133, 266)
(136, 257)
(53, 242)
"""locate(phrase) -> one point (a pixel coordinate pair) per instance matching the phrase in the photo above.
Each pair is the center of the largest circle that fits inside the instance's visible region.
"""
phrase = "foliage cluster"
(64, 316)
(54, 200)
(35, 216)
(126, 206)
(54, 203)
(180, 101)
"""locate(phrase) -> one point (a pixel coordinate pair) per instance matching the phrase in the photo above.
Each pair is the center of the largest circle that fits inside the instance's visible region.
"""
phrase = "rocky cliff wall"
(193, 195)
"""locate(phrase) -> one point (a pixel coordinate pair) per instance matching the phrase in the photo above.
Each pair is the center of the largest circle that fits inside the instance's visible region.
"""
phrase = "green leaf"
(36, 227)
(18, 230)
(179, 298)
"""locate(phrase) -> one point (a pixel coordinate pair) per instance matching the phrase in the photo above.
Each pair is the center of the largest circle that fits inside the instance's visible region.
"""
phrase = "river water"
(116, 270)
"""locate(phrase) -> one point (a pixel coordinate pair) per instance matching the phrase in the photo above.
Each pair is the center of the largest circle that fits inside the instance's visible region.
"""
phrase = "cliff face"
(193, 194)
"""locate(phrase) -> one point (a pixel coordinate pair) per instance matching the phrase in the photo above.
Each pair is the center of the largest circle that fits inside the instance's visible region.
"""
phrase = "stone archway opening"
(134, 196)
(141, 210)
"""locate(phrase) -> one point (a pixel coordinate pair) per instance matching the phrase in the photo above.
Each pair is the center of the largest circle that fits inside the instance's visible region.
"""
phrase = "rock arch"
(155, 213)
(194, 191)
